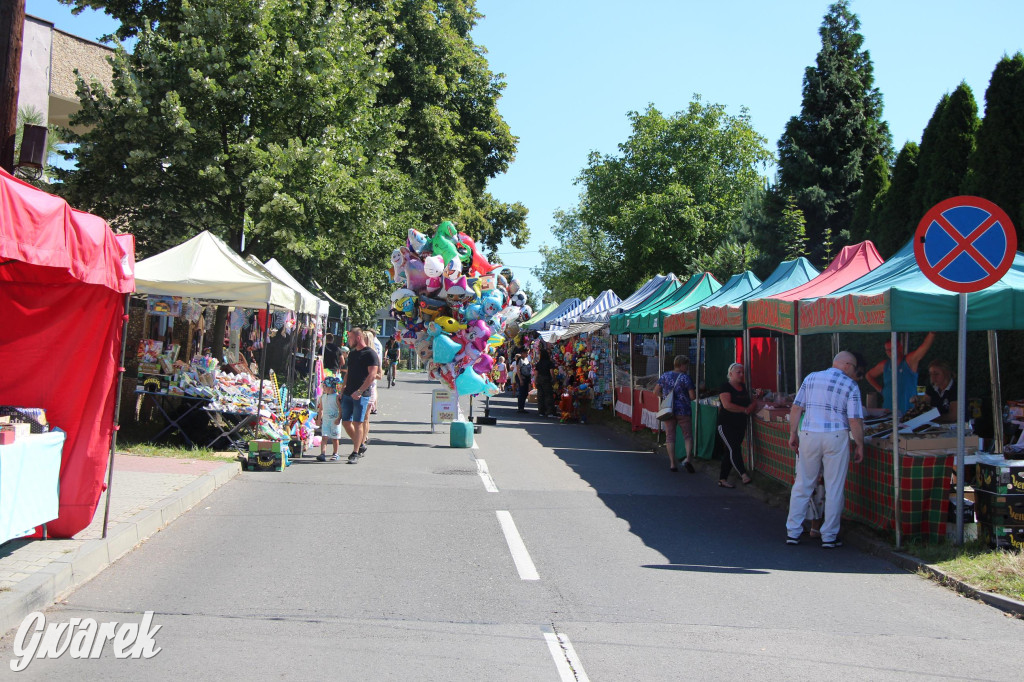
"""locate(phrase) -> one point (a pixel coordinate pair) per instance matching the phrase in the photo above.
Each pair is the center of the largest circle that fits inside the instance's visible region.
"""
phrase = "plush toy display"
(452, 307)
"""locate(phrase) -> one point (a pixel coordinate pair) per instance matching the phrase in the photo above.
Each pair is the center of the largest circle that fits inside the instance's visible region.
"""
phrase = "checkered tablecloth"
(924, 481)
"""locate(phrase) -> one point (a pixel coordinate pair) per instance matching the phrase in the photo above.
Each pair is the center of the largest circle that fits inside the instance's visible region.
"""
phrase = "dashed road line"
(570, 669)
(485, 476)
(524, 564)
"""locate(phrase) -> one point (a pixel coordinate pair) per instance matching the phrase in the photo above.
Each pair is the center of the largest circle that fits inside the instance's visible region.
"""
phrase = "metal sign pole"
(961, 407)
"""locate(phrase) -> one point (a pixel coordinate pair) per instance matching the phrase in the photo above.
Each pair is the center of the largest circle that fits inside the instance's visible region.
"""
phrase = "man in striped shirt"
(826, 412)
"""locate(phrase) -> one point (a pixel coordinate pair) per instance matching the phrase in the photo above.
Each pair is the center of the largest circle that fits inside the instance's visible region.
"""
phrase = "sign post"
(444, 407)
(964, 244)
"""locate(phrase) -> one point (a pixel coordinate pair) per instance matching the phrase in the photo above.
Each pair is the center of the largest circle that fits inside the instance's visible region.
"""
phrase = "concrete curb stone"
(42, 589)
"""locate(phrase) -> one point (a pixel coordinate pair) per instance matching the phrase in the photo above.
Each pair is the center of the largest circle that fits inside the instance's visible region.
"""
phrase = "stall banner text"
(770, 314)
(721, 317)
(863, 313)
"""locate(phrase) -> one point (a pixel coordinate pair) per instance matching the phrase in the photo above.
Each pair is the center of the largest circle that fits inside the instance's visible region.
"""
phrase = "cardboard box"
(1003, 478)
(6, 436)
(928, 446)
(774, 414)
(1001, 537)
(999, 510)
(17, 429)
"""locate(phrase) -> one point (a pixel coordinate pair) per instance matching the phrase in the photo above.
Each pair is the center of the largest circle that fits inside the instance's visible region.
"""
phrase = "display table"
(924, 482)
(174, 423)
(230, 425)
(29, 483)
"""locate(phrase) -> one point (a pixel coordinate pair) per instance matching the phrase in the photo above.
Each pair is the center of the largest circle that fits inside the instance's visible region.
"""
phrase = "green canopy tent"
(539, 315)
(897, 297)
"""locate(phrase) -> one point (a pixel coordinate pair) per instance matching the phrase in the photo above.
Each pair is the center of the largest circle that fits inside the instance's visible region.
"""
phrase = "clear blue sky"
(574, 68)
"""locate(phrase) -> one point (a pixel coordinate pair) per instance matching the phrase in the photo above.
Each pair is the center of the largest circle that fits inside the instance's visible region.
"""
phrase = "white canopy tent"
(206, 268)
(310, 304)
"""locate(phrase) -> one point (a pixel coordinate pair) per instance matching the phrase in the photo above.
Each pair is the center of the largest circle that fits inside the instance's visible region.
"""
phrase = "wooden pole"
(12, 27)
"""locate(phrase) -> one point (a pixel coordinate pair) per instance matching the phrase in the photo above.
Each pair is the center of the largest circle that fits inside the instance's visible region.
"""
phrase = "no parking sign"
(965, 244)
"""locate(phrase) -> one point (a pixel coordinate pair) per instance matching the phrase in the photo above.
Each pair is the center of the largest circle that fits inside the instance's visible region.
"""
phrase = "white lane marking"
(475, 446)
(568, 663)
(485, 476)
(524, 564)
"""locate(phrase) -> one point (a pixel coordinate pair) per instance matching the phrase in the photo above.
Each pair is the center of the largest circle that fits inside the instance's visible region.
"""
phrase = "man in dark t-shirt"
(355, 398)
(331, 354)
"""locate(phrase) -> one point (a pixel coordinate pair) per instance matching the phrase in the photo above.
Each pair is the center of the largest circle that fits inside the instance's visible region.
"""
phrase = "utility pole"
(12, 26)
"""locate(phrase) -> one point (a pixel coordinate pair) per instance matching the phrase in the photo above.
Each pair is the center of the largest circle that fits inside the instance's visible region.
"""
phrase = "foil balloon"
(470, 383)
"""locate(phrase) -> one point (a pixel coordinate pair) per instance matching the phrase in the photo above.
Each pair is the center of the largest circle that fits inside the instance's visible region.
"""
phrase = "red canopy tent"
(778, 311)
(64, 281)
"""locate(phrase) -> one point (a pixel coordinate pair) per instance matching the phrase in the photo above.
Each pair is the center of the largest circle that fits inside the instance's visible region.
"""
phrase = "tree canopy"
(670, 195)
(324, 128)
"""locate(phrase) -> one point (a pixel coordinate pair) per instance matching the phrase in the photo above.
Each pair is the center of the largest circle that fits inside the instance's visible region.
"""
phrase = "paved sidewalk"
(148, 493)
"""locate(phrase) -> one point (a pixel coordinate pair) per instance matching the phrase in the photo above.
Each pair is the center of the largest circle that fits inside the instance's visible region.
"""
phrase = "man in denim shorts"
(363, 364)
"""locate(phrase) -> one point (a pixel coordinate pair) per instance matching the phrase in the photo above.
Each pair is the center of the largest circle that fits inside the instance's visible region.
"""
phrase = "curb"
(50, 584)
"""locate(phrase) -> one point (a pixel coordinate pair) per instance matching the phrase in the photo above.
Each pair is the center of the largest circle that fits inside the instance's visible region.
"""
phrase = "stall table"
(174, 423)
(29, 483)
(229, 425)
(924, 482)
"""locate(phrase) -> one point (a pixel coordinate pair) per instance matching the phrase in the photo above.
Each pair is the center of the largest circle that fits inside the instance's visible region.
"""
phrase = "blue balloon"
(445, 349)
(470, 383)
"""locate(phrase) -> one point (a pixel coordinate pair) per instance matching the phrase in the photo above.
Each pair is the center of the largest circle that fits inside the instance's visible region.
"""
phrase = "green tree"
(263, 112)
(582, 263)
(440, 87)
(454, 138)
(996, 168)
(824, 152)
(671, 194)
(946, 147)
(876, 182)
(794, 230)
(895, 218)
(730, 257)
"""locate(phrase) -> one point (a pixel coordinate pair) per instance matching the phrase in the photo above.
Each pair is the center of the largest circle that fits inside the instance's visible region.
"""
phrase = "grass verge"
(998, 571)
(175, 451)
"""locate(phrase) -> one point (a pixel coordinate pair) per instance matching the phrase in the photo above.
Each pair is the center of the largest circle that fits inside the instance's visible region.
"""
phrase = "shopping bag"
(665, 410)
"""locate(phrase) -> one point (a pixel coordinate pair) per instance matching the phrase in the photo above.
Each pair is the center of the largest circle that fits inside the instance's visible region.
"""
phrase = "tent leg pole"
(117, 413)
(264, 333)
(997, 390)
(699, 373)
(611, 358)
(894, 372)
(798, 369)
(747, 378)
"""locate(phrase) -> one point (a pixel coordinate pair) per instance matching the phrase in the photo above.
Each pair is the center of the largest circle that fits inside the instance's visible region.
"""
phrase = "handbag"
(665, 407)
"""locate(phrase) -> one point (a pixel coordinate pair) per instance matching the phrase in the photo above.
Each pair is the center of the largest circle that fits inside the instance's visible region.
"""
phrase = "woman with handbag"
(675, 390)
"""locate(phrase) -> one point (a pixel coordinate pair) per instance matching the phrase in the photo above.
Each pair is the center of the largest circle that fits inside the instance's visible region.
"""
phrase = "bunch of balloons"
(453, 307)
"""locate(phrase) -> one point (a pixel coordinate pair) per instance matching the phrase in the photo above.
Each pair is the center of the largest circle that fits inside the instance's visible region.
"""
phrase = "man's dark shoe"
(831, 544)
(792, 540)
(353, 458)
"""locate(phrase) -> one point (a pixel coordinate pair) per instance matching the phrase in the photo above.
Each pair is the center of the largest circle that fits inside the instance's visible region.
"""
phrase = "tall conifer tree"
(895, 218)
(996, 169)
(824, 151)
(946, 147)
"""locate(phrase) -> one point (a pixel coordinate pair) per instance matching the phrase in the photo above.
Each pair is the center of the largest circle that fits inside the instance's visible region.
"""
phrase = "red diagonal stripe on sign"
(965, 244)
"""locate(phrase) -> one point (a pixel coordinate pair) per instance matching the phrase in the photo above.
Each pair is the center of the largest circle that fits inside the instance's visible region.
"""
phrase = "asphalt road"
(402, 567)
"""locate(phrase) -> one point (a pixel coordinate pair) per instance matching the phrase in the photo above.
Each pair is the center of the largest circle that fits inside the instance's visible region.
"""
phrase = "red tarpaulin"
(63, 279)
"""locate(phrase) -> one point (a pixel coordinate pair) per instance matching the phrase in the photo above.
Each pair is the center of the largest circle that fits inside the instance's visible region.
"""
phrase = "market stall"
(683, 320)
(622, 353)
(897, 297)
(64, 282)
(205, 269)
(646, 323)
